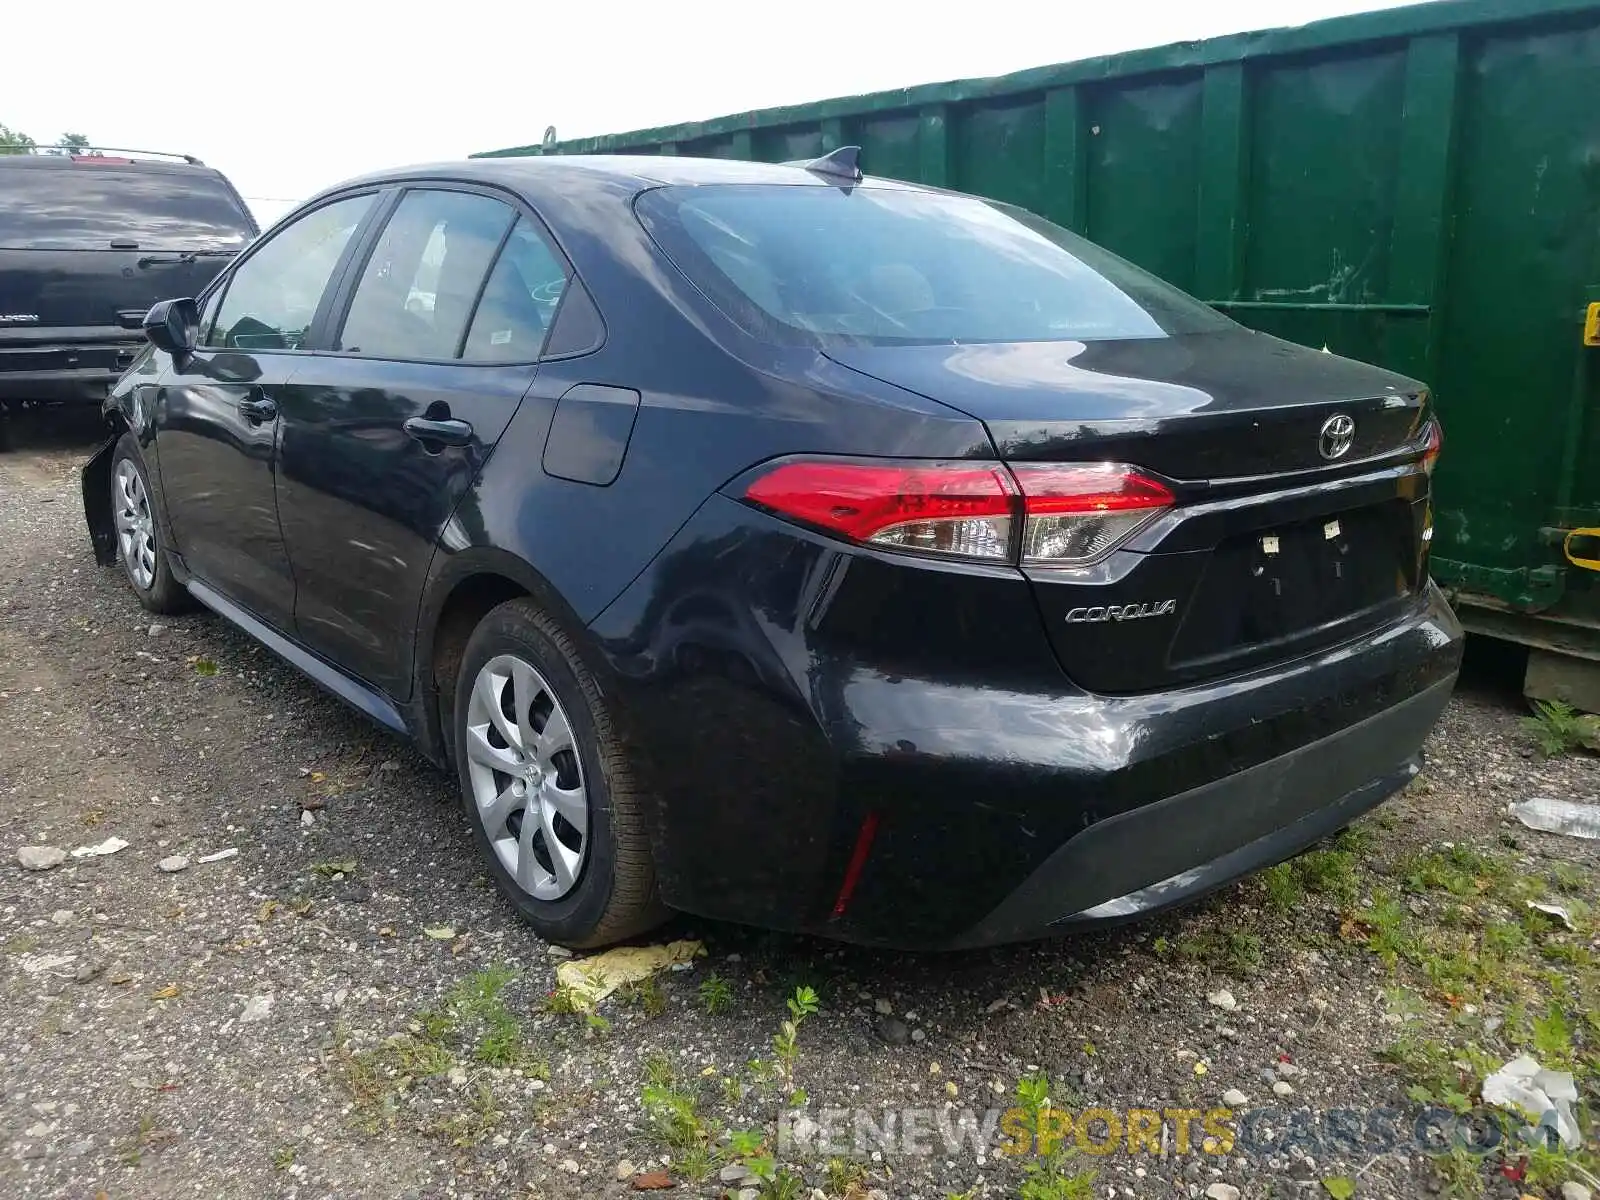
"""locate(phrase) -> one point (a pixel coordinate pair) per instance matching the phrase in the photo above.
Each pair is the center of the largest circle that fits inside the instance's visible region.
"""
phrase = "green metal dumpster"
(1418, 187)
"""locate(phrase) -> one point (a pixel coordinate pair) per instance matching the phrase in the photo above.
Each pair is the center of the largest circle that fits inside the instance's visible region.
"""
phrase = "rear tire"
(549, 783)
(138, 533)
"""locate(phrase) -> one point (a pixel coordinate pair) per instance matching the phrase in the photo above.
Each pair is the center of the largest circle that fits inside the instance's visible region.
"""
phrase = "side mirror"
(173, 326)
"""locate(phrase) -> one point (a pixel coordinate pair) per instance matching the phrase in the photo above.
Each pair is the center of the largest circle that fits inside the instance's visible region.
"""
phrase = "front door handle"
(448, 432)
(260, 409)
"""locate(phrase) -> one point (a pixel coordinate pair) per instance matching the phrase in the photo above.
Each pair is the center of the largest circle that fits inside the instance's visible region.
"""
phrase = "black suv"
(88, 242)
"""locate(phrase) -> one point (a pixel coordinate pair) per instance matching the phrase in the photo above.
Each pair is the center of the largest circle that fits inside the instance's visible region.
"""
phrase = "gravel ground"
(345, 1008)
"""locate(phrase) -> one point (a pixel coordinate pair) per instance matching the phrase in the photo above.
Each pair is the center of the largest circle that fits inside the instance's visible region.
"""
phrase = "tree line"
(14, 141)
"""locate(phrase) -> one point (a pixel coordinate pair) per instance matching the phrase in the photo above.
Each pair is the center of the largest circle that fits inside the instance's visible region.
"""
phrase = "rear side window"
(419, 285)
(273, 295)
(884, 266)
(519, 303)
(87, 206)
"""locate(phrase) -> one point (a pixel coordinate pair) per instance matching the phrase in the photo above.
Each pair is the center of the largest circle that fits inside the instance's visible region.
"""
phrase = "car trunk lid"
(1286, 534)
(1208, 406)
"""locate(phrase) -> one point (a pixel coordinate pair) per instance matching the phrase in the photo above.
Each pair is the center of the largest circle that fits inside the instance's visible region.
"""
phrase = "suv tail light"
(1063, 514)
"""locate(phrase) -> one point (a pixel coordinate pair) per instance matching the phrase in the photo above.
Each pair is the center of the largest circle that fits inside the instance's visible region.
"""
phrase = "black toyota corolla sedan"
(779, 545)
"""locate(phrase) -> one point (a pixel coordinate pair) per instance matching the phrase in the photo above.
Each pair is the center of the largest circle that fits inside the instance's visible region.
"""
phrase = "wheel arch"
(96, 487)
(465, 588)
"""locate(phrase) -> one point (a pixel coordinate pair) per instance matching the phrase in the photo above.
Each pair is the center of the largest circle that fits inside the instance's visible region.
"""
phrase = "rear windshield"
(83, 206)
(880, 266)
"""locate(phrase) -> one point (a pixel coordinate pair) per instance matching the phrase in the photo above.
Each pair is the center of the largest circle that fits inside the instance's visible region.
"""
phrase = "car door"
(215, 419)
(433, 342)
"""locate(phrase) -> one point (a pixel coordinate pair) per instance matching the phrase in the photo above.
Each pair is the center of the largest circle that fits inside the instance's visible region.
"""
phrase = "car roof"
(634, 172)
(108, 162)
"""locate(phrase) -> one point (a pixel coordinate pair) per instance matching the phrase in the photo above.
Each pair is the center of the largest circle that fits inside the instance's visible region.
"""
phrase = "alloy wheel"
(527, 782)
(136, 531)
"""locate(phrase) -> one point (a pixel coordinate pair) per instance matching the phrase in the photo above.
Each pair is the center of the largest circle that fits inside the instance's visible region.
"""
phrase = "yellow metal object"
(1592, 531)
(1591, 325)
(591, 980)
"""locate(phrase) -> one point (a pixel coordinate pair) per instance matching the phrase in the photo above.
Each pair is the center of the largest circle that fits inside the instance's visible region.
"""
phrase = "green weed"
(1388, 937)
(1459, 1174)
(1048, 1181)
(1552, 1039)
(1569, 878)
(786, 1042)
(694, 1163)
(646, 995)
(1236, 950)
(1558, 728)
(844, 1174)
(716, 997)
(1282, 884)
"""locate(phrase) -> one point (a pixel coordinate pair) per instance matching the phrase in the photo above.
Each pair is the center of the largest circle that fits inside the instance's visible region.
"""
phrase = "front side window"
(872, 265)
(208, 315)
(272, 296)
(418, 288)
(519, 302)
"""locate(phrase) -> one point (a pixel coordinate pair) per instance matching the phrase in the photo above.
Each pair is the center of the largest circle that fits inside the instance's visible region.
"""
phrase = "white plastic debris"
(218, 856)
(1559, 816)
(1556, 911)
(110, 846)
(1544, 1097)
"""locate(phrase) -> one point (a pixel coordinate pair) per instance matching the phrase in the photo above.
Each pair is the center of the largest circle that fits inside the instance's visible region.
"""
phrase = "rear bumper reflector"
(858, 862)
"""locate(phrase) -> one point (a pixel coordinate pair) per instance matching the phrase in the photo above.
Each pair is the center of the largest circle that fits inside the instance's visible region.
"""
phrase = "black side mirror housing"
(173, 326)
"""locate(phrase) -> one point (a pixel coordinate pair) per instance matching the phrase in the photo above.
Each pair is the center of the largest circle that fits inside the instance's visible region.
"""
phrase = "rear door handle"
(258, 410)
(448, 432)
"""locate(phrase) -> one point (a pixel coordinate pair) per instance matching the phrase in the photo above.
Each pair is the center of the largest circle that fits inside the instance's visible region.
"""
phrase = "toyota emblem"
(1338, 432)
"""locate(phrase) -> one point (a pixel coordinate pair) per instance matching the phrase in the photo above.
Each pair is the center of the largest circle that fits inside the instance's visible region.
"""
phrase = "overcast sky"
(290, 96)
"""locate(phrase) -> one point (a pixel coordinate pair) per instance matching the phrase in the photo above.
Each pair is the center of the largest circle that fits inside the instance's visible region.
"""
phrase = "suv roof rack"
(111, 151)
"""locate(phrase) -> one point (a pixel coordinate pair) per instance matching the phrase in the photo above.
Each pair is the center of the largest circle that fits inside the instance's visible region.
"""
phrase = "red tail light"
(1079, 511)
(1435, 443)
(1044, 513)
(964, 509)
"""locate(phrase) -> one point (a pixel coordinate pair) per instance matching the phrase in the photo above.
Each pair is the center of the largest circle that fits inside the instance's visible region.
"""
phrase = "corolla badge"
(1338, 432)
(1122, 612)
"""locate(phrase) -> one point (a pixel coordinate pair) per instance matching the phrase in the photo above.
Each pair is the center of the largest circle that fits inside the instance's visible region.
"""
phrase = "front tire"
(139, 550)
(548, 783)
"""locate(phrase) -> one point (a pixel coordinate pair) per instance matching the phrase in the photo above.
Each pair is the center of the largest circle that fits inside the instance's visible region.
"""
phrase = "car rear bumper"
(1208, 836)
(73, 385)
(1081, 809)
(65, 365)
(847, 745)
